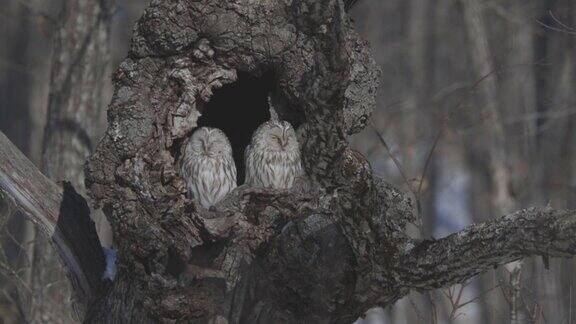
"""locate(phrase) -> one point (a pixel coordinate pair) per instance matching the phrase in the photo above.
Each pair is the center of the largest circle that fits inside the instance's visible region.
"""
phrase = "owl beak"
(204, 147)
(284, 139)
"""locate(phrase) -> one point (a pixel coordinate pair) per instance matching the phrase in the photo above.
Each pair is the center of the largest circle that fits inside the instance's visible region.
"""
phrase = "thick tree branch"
(60, 213)
(460, 256)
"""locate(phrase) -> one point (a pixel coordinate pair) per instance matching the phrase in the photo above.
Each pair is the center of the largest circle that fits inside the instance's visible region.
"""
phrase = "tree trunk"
(503, 201)
(79, 72)
(17, 93)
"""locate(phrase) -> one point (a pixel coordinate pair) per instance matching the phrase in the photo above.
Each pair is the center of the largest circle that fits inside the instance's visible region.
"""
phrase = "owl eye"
(278, 139)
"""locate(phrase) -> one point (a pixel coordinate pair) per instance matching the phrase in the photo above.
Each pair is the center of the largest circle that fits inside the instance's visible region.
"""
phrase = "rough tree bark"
(322, 253)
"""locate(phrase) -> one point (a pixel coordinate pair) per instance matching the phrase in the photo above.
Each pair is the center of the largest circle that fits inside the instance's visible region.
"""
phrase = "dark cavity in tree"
(238, 109)
(175, 265)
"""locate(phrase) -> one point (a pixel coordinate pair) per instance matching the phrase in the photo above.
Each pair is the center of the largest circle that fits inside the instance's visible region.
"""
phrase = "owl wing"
(248, 160)
(232, 170)
(188, 173)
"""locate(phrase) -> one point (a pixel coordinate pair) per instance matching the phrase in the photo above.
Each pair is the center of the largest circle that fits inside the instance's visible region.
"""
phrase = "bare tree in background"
(497, 149)
(519, 66)
(80, 63)
(21, 93)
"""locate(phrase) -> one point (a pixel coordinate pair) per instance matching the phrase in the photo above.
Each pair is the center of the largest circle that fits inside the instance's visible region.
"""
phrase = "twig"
(565, 28)
(559, 22)
(440, 133)
(389, 151)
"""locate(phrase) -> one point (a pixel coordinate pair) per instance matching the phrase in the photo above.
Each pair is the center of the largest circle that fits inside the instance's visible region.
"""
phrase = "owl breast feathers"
(273, 156)
(208, 167)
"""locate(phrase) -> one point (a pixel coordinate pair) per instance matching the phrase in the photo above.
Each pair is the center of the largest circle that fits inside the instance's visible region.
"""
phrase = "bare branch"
(60, 213)
(454, 259)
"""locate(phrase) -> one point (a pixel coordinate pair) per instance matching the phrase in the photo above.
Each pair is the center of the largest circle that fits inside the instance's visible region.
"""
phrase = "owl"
(208, 167)
(273, 156)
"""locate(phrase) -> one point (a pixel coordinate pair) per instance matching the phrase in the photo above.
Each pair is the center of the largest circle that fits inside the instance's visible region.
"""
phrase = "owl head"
(208, 141)
(276, 136)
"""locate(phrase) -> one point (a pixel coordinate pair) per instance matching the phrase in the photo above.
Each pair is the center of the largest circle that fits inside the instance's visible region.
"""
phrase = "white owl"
(273, 156)
(208, 166)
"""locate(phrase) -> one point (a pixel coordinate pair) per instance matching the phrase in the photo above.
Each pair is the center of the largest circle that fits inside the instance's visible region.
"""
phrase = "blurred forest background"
(475, 118)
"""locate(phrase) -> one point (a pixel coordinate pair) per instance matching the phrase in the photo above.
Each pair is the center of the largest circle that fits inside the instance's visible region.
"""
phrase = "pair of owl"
(272, 161)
